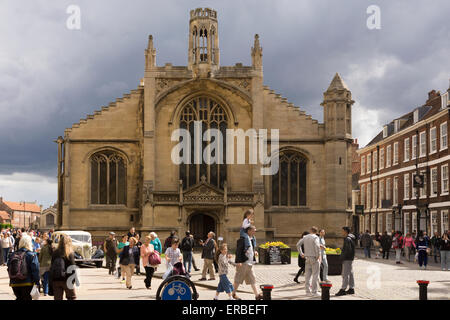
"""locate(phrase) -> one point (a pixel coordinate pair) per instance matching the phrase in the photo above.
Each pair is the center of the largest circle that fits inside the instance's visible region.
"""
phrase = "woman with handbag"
(148, 261)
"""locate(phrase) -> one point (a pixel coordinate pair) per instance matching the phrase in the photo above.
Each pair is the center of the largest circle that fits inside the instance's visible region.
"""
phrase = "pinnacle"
(337, 83)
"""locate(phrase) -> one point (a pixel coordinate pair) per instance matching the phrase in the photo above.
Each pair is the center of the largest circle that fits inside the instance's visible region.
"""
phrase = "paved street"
(397, 282)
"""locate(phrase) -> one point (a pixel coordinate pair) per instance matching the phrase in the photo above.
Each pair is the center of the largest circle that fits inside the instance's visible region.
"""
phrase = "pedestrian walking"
(187, 244)
(311, 254)
(138, 245)
(110, 249)
(301, 260)
(147, 249)
(244, 264)
(156, 242)
(62, 268)
(397, 244)
(386, 244)
(122, 244)
(423, 247)
(168, 241)
(208, 252)
(7, 246)
(377, 244)
(435, 245)
(45, 261)
(173, 254)
(444, 247)
(408, 245)
(129, 257)
(366, 243)
(21, 283)
(224, 283)
(193, 259)
(323, 256)
(347, 256)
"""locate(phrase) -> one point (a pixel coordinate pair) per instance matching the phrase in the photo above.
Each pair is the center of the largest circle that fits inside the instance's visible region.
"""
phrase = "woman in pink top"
(408, 244)
(146, 250)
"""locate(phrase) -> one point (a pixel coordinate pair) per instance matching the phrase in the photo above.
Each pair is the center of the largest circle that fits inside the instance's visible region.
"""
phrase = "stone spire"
(337, 83)
(256, 53)
(150, 54)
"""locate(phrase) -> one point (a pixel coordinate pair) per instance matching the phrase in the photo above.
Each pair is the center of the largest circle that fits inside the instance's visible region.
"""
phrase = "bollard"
(423, 284)
(267, 291)
(325, 286)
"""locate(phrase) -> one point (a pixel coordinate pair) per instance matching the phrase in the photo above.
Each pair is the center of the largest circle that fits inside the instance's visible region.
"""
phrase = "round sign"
(177, 290)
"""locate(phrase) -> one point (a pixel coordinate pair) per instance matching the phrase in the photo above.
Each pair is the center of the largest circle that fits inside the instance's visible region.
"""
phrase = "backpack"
(185, 245)
(58, 269)
(18, 269)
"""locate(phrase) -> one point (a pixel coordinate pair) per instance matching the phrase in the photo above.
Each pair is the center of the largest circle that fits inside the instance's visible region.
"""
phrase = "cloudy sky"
(51, 76)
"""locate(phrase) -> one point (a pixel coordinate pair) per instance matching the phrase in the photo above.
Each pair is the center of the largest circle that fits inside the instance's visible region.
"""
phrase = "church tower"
(337, 104)
(203, 42)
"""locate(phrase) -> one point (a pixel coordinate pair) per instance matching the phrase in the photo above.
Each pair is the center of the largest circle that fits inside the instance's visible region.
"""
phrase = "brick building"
(413, 146)
(22, 214)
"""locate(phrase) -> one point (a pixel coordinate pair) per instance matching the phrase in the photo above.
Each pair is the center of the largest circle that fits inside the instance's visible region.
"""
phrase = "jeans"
(45, 282)
(445, 260)
(436, 253)
(187, 261)
(5, 255)
(347, 275)
(398, 252)
(325, 268)
(312, 269)
(423, 258)
(367, 252)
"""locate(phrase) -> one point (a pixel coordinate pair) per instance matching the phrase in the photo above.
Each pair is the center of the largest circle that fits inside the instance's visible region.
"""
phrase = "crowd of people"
(420, 246)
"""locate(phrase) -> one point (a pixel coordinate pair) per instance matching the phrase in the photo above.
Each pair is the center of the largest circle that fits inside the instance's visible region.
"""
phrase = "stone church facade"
(115, 168)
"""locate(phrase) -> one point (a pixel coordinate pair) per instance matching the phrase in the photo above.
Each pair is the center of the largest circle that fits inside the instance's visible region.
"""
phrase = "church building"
(116, 170)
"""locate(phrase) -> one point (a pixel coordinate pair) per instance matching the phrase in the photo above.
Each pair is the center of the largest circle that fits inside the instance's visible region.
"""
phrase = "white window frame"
(406, 186)
(373, 222)
(423, 191)
(433, 188)
(395, 156)
(443, 138)
(406, 149)
(416, 115)
(414, 221)
(375, 161)
(363, 165)
(381, 164)
(375, 195)
(413, 147)
(422, 143)
(388, 156)
(363, 195)
(369, 195)
(444, 180)
(380, 222)
(381, 193)
(413, 190)
(388, 189)
(433, 131)
(444, 224)
(388, 222)
(369, 163)
(444, 100)
(395, 192)
(433, 222)
(385, 131)
(406, 221)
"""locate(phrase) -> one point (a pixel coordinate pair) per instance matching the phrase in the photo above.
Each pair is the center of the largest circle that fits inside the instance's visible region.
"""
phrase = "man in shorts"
(244, 270)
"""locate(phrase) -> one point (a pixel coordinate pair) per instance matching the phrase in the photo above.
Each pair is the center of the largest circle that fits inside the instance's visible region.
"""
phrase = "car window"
(81, 237)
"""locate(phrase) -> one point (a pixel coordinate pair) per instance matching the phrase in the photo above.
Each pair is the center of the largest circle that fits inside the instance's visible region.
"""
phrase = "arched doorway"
(200, 224)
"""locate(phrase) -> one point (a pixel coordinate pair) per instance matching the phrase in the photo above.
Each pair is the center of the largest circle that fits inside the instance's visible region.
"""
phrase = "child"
(224, 283)
(173, 254)
(247, 222)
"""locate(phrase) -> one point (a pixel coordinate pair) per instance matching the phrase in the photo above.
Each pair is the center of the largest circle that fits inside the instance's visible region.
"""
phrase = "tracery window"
(213, 116)
(203, 45)
(108, 178)
(289, 184)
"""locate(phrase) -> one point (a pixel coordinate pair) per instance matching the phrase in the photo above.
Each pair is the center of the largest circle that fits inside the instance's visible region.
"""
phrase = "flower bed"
(274, 253)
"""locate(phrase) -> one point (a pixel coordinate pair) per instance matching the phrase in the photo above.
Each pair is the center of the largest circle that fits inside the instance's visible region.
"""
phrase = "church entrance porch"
(200, 224)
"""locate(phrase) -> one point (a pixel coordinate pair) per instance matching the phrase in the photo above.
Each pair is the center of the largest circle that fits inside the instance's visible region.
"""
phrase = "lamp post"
(397, 212)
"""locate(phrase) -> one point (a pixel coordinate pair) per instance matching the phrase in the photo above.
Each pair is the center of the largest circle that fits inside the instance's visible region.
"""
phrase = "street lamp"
(397, 213)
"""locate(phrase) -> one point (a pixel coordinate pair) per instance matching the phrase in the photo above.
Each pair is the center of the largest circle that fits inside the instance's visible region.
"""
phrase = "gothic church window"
(108, 178)
(289, 184)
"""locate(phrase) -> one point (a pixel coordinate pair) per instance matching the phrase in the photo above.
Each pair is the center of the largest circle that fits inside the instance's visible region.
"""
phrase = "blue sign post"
(177, 288)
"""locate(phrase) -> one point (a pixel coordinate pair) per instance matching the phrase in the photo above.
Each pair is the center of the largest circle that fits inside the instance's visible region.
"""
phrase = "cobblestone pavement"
(395, 282)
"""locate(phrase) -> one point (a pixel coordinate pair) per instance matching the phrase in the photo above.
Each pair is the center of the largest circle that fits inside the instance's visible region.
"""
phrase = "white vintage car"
(82, 245)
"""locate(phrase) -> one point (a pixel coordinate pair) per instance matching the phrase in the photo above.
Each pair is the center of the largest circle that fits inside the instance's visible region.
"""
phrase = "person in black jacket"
(301, 260)
(386, 244)
(129, 257)
(187, 244)
(208, 253)
(347, 257)
(63, 261)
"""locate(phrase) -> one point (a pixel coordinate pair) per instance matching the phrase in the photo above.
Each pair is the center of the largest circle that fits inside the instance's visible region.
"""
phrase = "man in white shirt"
(311, 244)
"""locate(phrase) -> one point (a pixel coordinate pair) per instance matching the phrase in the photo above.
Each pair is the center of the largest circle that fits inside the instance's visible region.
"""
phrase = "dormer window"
(396, 126)
(416, 115)
(385, 131)
(444, 100)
